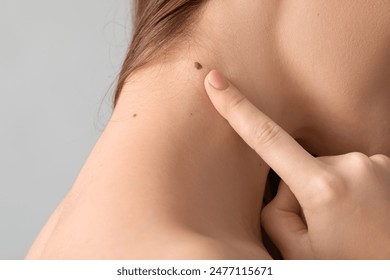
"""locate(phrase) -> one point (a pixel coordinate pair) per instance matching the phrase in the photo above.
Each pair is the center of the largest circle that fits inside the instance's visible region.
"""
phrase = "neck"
(224, 178)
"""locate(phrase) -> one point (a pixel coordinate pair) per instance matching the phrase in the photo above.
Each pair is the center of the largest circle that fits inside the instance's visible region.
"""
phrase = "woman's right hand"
(346, 204)
(335, 207)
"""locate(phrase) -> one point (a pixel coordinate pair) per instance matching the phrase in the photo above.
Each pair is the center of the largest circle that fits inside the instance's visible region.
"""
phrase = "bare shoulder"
(172, 245)
(39, 244)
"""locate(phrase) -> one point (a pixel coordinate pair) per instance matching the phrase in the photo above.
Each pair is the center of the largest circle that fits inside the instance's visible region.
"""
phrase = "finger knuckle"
(235, 104)
(326, 189)
(358, 157)
(266, 133)
(359, 162)
(381, 159)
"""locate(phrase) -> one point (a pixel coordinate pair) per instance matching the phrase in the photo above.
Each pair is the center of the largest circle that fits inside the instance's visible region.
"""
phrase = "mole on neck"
(198, 65)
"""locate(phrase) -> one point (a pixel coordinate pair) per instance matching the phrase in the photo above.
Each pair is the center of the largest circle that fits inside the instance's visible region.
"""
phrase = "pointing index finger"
(276, 147)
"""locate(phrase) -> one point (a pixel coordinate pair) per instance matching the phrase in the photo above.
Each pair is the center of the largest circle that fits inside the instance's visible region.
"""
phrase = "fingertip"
(217, 80)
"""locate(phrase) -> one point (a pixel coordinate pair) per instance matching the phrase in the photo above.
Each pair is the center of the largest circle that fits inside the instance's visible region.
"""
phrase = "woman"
(169, 178)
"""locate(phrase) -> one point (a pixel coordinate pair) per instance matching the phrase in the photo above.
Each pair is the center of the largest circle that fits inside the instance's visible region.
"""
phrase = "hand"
(345, 199)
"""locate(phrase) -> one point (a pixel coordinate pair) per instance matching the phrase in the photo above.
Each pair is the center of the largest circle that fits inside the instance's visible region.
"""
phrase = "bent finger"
(282, 222)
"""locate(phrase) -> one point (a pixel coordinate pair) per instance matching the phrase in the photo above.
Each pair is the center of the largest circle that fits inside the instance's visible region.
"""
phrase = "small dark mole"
(134, 115)
(318, 14)
(198, 65)
(191, 114)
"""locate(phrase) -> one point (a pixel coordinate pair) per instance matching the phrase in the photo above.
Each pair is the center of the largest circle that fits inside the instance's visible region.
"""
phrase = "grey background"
(58, 65)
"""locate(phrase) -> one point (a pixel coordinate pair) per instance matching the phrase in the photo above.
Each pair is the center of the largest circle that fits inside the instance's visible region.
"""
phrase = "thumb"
(282, 221)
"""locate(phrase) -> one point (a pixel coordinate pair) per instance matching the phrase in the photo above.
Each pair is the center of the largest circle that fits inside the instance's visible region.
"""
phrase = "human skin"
(169, 177)
(332, 207)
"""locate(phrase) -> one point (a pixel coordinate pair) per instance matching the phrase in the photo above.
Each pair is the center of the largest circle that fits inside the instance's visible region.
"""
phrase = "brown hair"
(156, 25)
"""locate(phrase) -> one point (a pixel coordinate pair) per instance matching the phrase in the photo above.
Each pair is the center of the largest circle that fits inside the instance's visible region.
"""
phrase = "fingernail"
(217, 80)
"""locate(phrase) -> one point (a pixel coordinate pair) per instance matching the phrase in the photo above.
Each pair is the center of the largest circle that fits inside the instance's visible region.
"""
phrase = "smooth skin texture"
(177, 181)
(345, 199)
